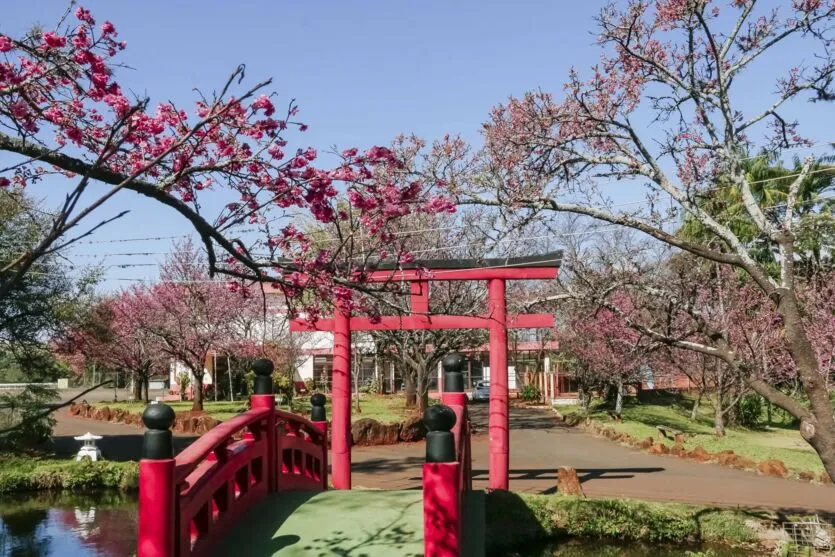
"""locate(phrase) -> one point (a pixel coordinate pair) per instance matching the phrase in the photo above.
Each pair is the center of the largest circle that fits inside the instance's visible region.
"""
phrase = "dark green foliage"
(530, 393)
(749, 410)
(32, 474)
(516, 519)
(19, 417)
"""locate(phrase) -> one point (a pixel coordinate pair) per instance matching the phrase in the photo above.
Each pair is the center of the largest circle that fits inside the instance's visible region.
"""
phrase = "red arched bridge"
(258, 484)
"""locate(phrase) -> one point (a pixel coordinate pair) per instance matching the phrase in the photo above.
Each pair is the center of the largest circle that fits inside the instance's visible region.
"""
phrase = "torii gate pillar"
(499, 422)
(341, 399)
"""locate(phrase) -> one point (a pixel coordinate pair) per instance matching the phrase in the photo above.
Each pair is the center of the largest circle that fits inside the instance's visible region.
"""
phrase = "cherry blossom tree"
(663, 110)
(66, 121)
(191, 315)
(112, 337)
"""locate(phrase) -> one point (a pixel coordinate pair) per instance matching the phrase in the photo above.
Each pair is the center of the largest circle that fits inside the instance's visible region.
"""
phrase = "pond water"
(68, 525)
(103, 524)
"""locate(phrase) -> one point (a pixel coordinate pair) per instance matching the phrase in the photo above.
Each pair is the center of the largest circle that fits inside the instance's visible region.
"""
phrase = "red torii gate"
(419, 273)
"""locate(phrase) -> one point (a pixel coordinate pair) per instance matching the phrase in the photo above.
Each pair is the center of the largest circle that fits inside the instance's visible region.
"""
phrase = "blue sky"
(361, 71)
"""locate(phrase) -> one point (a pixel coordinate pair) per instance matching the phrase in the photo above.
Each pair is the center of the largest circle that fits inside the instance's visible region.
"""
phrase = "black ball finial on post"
(440, 443)
(263, 376)
(157, 444)
(317, 408)
(453, 365)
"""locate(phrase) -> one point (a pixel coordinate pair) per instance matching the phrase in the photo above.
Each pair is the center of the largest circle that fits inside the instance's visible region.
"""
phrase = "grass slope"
(778, 441)
(383, 408)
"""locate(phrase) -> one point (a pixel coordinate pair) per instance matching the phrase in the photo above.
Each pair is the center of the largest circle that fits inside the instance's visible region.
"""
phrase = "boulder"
(75, 409)
(204, 423)
(699, 454)
(824, 478)
(659, 448)
(773, 467)
(806, 476)
(106, 414)
(367, 431)
(678, 450)
(568, 483)
(412, 429)
(646, 443)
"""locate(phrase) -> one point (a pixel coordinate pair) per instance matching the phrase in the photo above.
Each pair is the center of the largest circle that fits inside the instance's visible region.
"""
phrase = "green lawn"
(383, 408)
(776, 441)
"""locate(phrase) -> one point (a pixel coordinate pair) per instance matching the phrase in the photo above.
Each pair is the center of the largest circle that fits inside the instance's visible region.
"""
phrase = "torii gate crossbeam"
(419, 273)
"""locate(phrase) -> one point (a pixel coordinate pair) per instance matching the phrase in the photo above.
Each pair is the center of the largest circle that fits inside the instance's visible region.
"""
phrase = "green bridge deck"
(357, 523)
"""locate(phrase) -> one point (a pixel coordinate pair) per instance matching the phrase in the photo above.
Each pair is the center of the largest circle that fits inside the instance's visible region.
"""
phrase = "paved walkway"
(332, 523)
(539, 444)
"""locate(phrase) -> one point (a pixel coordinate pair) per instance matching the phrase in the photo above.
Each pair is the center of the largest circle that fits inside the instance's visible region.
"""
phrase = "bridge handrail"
(218, 437)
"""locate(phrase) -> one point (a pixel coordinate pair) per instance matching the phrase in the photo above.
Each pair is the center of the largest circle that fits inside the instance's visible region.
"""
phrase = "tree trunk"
(718, 420)
(137, 386)
(146, 380)
(411, 390)
(694, 413)
(818, 429)
(197, 386)
(619, 398)
(584, 399)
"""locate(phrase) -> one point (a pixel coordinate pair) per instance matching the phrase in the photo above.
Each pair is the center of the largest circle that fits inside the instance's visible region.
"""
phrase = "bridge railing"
(447, 473)
(187, 503)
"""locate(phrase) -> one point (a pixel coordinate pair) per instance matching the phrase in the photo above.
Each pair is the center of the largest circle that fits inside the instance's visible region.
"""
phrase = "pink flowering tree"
(664, 111)
(66, 119)
(191, 315)
(112, 337)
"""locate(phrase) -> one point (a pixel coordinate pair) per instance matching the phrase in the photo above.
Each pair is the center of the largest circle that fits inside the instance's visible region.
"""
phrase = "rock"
(75, 409)
(773, 467)
(646, 443)
(412, 429)
(568, 483)
(679, 438)
(367, 431)
(735, 461)
(699, 454)
(106, 414)
(204, 424)
(806, 476)
(824, 478)
(679, 451)
(659, 448)
(119, 415)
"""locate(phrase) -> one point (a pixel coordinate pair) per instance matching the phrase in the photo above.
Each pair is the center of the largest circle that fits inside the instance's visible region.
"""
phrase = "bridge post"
(453, 365)
(157, 490)
(499, 422)
(341, 397)
(265, 398)
(441, 497)
(319, 417)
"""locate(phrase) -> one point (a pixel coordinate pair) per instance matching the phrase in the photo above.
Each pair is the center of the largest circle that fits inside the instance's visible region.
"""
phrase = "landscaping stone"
(806, 476)
(412, 429)
(678, 450)
(659, 448)
(773, 467)
(368, 432)
(75, 409)
(568, 483)
(824, 478)
(699, 454)
(646, 443)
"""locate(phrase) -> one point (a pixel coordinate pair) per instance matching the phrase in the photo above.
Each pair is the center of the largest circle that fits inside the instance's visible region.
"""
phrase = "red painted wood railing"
(445, 486)
(189, 502)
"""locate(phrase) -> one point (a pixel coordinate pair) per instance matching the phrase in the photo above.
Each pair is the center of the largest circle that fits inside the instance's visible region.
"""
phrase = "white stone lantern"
(88, 447)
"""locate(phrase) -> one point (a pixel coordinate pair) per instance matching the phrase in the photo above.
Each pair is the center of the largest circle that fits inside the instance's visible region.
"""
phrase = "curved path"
(539, 444)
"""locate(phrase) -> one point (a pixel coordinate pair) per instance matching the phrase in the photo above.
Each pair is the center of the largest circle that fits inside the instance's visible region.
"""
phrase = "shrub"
(530, 393)
(32, 474)
(21, 410)
(749, 410)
